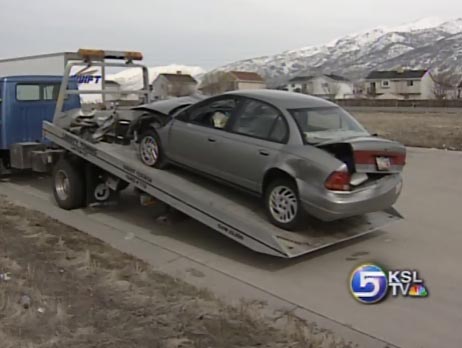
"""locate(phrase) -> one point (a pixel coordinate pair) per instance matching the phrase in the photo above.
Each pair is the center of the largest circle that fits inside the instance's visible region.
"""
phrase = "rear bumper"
(329, 205)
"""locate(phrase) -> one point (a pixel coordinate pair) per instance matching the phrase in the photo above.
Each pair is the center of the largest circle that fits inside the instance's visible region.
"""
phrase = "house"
(173, 85)
(400, 84)
(222, 81)
(246, 80)
(328, 86)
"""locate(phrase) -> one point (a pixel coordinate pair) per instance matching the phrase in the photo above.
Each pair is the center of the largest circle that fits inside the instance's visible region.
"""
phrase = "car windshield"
(321, 124)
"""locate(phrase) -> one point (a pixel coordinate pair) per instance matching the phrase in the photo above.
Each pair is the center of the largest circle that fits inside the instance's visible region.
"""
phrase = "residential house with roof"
(173, 85)
(400, 84)
(222, 81)
(328, 86)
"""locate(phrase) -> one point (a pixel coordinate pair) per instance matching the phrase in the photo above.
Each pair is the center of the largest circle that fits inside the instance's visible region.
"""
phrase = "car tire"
(68, 184)
(150, 150)
(282, 204)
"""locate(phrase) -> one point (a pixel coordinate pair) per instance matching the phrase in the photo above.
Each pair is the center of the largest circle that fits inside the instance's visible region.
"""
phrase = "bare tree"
(330, 88)
(181, 89)
(358, 89)
(333, 89)
(371, 90)
(216, 82)
(443, 86)
(308, 87)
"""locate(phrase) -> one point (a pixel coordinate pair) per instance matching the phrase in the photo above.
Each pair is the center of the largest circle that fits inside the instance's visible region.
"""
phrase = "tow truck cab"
(25, 102)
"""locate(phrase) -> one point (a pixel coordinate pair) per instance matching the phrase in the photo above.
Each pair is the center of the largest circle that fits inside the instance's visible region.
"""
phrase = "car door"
(256, 135)
(195, 136)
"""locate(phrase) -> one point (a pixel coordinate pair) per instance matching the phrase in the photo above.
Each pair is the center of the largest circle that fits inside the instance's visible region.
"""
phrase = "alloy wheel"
(283, 204)
(149, 150)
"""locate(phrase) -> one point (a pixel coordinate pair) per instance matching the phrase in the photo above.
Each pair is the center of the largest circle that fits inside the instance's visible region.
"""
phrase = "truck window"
(36, 92)
(28, 92)
(50, 92)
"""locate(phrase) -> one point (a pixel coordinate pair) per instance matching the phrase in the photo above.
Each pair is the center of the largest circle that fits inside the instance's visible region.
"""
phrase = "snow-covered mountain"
(427, 43)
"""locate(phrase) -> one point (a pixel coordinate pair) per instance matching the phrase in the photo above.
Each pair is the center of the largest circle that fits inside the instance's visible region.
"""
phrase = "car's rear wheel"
(283, 204)
(150, 150)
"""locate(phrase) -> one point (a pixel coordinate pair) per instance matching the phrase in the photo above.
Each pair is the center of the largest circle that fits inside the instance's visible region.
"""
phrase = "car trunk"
(368, 158)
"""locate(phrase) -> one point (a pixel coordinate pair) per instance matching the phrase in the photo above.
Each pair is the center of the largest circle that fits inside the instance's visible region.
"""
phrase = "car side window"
(280, 131)
(213, 114)
(260, 120)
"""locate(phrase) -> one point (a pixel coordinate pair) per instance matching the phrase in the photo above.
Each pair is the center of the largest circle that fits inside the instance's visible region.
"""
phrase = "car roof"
(166, 106)
(284, 99)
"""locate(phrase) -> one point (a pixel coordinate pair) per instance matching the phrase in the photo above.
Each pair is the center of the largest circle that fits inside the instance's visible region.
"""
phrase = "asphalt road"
(314, 286)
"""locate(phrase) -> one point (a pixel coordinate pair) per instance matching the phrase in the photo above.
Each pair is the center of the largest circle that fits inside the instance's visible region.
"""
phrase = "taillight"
(369, 157)
(339, 180)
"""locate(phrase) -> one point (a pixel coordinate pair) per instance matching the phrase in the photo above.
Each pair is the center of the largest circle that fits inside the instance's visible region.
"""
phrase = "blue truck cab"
(25, 102)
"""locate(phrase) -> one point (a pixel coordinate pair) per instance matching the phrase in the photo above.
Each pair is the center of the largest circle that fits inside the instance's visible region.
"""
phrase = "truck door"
(35, 102)
(34, 105)
(30, 102)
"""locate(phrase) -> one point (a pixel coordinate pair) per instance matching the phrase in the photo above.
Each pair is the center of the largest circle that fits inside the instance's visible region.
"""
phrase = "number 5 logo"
(366, 278)
(368, 283)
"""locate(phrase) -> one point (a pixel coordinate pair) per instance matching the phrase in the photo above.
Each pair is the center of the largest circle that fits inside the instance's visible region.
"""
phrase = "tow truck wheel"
(150, 150)
(68, 185)
(282, 204)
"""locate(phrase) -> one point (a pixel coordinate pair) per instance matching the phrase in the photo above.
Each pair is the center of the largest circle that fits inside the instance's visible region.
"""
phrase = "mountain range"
(429, 43)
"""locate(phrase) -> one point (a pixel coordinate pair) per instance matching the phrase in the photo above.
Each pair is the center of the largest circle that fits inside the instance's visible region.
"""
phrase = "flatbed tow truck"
(99, 169)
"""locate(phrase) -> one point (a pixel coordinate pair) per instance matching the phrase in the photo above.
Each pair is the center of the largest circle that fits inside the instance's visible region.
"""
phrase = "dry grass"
(83, 293)
(432, 130)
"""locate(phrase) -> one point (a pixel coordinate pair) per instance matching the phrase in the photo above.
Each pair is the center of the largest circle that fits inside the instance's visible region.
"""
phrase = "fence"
(453, 103)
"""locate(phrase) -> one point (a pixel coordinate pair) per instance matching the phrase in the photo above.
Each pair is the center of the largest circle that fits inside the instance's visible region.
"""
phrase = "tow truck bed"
(226, 210)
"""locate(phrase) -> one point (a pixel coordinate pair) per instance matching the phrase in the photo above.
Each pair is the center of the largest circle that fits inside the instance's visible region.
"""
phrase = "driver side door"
(196, 135)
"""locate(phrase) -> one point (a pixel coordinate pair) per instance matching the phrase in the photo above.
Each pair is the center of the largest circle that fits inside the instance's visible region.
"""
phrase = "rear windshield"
(318, 124)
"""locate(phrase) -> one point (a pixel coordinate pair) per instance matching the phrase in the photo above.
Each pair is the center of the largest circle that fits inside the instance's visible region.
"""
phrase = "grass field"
(440, 130)
(66, 289)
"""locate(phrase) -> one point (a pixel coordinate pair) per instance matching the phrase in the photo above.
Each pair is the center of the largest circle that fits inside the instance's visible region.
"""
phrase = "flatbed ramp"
(228, 211)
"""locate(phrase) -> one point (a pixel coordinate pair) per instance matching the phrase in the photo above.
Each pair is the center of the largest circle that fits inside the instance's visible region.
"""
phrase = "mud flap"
(322, 235)
(4, 171)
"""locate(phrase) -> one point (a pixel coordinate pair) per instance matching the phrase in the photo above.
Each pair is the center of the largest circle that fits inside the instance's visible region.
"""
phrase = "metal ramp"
(226, 210)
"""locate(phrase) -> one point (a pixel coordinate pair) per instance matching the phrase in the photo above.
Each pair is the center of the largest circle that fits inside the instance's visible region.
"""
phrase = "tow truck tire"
(68, 185)
(282, 204)
(150, 150)
(122, 186)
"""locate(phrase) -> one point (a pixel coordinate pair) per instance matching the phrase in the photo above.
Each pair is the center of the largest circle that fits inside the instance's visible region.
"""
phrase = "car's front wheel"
(282, 204)
(150, 150)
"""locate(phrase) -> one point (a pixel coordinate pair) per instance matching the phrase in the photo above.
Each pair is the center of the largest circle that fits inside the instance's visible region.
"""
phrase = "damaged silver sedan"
(301, 154)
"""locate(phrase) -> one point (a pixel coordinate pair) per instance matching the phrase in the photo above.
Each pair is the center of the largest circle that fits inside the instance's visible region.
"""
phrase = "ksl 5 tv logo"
(370, 283)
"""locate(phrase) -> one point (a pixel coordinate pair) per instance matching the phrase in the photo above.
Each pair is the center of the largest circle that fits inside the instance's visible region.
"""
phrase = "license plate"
(383, 163)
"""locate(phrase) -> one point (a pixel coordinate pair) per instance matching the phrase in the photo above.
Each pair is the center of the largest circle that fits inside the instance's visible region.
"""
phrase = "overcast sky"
(207, 33)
